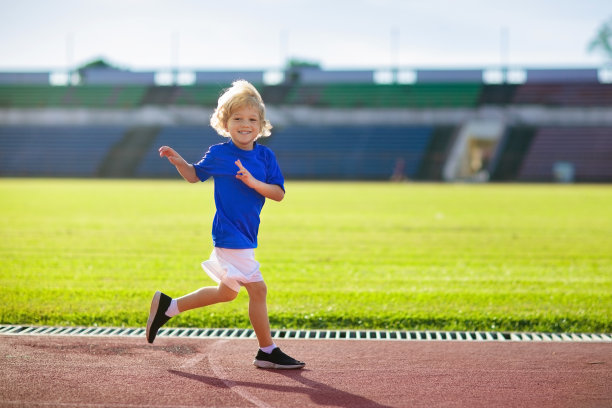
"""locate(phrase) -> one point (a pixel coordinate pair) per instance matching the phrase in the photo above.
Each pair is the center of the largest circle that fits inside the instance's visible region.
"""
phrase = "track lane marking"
(217, 368)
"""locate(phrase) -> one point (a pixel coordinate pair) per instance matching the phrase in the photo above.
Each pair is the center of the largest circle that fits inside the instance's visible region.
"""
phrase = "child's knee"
(257, 290)
(226, 294)
(230, 296)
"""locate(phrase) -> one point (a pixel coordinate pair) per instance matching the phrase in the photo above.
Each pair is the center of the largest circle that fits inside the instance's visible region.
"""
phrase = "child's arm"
(272, 191)
(185, 169)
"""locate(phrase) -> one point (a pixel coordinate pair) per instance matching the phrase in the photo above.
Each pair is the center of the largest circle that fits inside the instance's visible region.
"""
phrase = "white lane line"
(217, 367)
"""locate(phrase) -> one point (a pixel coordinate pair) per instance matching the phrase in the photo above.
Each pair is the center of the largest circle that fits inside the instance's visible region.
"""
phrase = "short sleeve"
(204, 167)
(273, 171)
(214, 163)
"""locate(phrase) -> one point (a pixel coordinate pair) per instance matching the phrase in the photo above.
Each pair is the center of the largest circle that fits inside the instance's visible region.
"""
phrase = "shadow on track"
(319, 393)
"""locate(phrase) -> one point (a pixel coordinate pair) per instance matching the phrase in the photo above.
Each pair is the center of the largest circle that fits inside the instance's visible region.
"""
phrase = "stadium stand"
(385, 96)
(30, 96)
(499, 94)
(187, 95)
(338, 95)
(125, 156)
(317, 152)
(203, 95)
(103, 96)
(564, 94)
(275, 95)
(436, 154)
(587, 149)
(190, 141)
(62, 151)
(312, 75)
(332, 124)
(349, 152)
(160, 95)
(510, 153)
(92, 96)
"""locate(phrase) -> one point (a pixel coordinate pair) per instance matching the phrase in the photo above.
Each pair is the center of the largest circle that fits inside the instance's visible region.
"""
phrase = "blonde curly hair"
(242, 93)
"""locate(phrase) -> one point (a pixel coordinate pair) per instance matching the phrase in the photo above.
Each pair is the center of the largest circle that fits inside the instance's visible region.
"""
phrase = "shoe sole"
(153, 312)
(269, 364)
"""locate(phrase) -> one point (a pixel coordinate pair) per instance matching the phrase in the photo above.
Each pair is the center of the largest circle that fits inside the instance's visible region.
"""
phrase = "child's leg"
(163, 308)
(258, 312)
(206, 296)
(268, 355)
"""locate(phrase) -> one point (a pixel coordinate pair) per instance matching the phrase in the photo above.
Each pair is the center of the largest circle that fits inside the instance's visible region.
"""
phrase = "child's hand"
(171, 154)
(272, 191)
(244, 175)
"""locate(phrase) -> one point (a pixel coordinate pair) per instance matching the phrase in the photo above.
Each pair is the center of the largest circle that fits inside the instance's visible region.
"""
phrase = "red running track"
(56, 371)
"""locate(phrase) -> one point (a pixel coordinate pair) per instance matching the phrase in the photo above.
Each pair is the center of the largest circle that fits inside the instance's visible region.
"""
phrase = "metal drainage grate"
(307, 334)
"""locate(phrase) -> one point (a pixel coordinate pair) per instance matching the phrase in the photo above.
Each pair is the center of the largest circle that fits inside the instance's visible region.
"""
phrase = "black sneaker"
(276, 359)
(157, 314)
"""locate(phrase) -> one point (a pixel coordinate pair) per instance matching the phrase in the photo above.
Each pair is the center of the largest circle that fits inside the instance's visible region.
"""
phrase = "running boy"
(245, 174)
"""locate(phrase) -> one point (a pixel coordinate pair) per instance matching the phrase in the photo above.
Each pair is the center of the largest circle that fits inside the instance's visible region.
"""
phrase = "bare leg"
(258, 312)
(206, 296)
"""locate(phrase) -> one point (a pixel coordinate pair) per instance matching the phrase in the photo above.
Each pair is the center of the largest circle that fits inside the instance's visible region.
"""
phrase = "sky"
(43, 35)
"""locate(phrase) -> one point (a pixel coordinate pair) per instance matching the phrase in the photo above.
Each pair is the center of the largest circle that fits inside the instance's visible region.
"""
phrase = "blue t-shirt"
(236, 221)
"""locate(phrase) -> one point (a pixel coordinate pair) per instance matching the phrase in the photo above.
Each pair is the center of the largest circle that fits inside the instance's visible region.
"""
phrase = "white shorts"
(233, 267)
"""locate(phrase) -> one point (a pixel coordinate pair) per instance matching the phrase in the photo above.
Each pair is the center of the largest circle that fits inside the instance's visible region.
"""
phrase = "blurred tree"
(294, 66)
(98, 63)
(299, 63)
(602, 42)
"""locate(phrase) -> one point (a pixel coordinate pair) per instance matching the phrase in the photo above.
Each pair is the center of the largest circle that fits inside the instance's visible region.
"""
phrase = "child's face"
(244, 126)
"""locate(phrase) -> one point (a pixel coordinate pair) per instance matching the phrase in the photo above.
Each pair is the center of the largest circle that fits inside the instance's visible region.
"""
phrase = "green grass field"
(334, 255)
